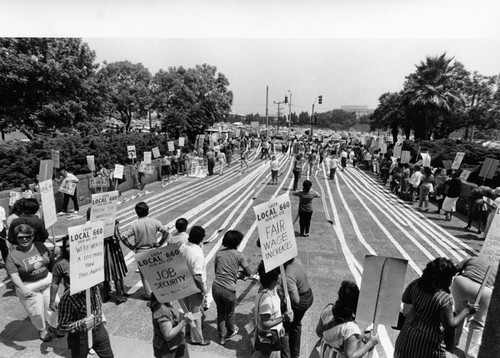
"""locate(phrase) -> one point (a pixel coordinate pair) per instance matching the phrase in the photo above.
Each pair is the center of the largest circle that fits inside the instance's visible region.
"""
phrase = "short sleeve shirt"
(268, 302)
(144, 231)
(195, 259)
(32, 265)
(227, 262)
(61, 272)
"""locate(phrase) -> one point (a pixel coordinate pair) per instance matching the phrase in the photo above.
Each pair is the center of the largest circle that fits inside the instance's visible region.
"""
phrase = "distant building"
(359, 111)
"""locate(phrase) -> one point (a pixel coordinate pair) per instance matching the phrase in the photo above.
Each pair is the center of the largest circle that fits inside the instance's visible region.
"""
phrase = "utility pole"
(267, 117)
(289, 113)
(279, 113)
(312, 120)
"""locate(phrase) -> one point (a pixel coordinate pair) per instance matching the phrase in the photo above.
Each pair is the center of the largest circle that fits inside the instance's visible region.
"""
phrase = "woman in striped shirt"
(430, 306)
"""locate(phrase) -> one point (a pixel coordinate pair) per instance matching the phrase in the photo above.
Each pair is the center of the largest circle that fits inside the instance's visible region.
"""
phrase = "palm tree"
(429, 94)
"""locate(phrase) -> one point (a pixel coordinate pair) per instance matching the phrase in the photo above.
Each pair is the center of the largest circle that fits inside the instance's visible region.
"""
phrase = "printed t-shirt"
(32, 265)
(227, 262)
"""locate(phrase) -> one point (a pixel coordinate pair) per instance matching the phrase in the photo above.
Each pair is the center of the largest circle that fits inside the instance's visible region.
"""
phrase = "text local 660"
(276, 233)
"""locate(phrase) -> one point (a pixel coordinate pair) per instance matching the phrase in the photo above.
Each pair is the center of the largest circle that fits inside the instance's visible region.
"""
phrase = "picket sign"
(132, 154)
(490, 251)
(458, 160)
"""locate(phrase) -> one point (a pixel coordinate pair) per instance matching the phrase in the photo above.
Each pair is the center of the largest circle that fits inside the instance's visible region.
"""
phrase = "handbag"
(267, 341)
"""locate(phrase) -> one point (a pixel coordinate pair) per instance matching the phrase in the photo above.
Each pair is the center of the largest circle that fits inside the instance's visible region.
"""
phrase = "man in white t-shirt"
(179, 236)
(193, 253)
(415, 180)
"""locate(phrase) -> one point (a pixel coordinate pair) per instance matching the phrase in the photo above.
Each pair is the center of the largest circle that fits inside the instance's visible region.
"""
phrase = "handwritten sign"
(405, 156)
(382, 286)
(156, 152)
(276, 233)
(55, 158)
(490, 251)
(48, 203)
(132, 154)
(103, 208)
(426, 159)
(166, 271)
(86, 247)
(91, 163)
(67, 187)
(458, 160)
(99, 182)
(147, 157)
(181, 141)
(46, 170)
(118, 172)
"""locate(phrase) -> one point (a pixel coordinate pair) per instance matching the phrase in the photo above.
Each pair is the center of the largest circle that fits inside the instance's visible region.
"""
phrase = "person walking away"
(297, 170)
(274, 164)
(306, 196)
(28, 266)
(464, 289)
(339, 333)
(301, 298)
(451, 190)
(210, 161)
(243, 159)
(193, 253)
(428, 306)
(221, 158)
(334, 164)
(425, 189)
(144, 231)
(69, 178)
(267, 313)
(73, 319)
(168, 330)
(343, 159)
(29, 217)
(441, 176)
(166, 169)
(227, 263)
(179, 236)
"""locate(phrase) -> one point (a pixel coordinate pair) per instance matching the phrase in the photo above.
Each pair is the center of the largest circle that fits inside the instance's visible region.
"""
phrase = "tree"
(128, 89)
(390, 114)
(429, 95)
(304, 118)
(47, 83)
(191, 100)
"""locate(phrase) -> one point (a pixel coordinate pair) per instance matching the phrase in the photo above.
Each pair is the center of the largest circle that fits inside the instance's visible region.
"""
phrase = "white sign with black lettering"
(48, 203)
(103, 208)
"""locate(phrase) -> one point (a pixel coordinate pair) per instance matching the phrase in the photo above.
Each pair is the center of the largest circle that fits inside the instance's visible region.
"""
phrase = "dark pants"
(66, 198)
(211, 165)
(226, 303)
(294, 329)
(332, 173)
(305, 221)
(296, 177)
(78, 343)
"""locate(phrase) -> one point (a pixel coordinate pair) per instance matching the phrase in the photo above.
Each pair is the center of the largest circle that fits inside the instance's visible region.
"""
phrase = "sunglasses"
(25, 237)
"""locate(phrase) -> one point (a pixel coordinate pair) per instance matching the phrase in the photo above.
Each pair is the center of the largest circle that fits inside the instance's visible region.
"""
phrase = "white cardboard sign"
(171, 146)
(91, 163)
(67, 187)
(55, 158)
(48, 203)
(147, 157)
(166, 271)
(103, 208)
(86, 246)
(132, 154)
(490, 251)
(181, 141)
(458, 160)
(118, 172)
(276, 232)
(426, 159)
(156, 152)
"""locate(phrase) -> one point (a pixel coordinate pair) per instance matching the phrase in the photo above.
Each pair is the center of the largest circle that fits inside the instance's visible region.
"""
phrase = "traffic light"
(286, 99)
(320, 99)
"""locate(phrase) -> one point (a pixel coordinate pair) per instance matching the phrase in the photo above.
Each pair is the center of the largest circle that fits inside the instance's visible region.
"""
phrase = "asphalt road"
(355, 217)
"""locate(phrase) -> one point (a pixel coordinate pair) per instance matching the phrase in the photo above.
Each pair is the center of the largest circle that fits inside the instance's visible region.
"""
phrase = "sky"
(350, 52)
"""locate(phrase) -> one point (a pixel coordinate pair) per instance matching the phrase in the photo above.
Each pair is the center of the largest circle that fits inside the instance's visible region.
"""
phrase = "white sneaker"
(76, 211)
(61, 213)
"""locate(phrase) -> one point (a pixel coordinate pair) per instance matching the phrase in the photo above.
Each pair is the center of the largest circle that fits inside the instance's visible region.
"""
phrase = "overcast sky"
(350, 52)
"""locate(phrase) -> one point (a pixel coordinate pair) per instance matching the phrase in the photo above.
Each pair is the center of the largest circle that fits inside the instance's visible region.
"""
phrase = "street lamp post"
(289, 113)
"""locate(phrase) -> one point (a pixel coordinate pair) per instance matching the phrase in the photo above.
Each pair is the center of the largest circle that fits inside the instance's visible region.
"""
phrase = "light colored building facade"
(359, 111)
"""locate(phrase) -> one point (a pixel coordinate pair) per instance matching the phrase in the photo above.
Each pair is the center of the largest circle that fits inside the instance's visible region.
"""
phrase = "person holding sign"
(268, 318)
(465, 288)
(340, 335)
(168, 334)
(68, 178)
(227, 262)
(144, 231)
(429, 306)
(195, 260)
(452, 190)
(306, 196)
(28, 265)
(73, 319)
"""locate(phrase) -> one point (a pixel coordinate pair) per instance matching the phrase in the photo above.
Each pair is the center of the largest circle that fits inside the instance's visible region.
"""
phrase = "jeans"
(226, 303)
(66, 198)
(294, 329)
(79, 345)
(305, 221)
(296, 177)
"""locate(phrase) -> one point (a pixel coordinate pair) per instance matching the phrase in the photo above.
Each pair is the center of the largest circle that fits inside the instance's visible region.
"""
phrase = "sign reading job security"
(86, 249)
(276, 233)
(167, 273)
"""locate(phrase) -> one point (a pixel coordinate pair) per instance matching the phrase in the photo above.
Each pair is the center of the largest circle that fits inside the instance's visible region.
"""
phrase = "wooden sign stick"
(285, 288)
(53, 239)
(89, 313)
(483, 284)
(194, 330)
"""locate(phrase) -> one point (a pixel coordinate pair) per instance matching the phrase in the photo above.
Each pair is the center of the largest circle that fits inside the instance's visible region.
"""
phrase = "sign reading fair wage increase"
(276, 233)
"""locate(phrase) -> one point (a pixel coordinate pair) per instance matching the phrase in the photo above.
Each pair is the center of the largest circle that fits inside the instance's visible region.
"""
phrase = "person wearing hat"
(144, 231)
